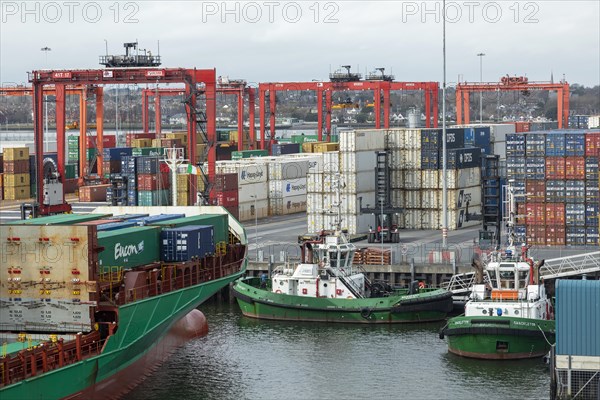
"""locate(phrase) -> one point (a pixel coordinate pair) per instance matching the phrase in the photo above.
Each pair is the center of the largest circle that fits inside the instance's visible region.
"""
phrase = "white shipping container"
(288, 169)
(287, 188)
(594, 121)
(457, 198)
(461, 178)
(314, 202)
(357, 161)
(350, 204)
(315, 222)
(397, 178)
(430, 199)
(412, 198)
(248, 173)
(363, 181)
(457, 220)
(412, 179)
(430, 179)
(287, 205)
(410, 159)
(315, 160)
(314, 182)
(412, 219)
(331, 161)
(396, 160)
(499, 148)
(395, 138)
(249, 211)
(430, 219)
(412, 139)
(356, 223)
(361, 140)
(260, 190)
(398, 198)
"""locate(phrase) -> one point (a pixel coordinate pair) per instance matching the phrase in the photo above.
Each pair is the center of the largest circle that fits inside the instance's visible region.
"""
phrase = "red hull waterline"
(193, 325)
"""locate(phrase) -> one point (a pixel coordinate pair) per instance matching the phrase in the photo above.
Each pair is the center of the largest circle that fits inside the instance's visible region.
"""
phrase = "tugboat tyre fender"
(365, 313)
(278, 291)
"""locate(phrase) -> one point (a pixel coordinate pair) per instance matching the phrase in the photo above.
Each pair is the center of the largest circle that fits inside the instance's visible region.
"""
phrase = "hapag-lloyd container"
(287, 205)
(248, 173)
(357, 161)
(287, 169)
(287, 188)
(363, 181)
(555, 168)
(362, 140)
(249, 211)
(248, 191)
(128, 247)
(331, 161)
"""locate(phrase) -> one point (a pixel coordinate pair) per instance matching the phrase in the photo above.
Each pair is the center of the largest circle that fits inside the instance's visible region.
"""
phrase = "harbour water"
(242, 358)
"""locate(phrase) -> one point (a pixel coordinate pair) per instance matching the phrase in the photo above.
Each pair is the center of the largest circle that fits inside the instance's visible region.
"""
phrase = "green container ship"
(326, 287)
(74, 330)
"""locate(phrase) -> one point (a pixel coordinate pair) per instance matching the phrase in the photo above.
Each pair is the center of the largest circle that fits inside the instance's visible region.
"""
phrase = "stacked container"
(152, 182)
(250, 195)
(287, 185)
(16, 178)
(111, 159)
(558, 171)
(226, 194)
(183, 181)
(187, 243)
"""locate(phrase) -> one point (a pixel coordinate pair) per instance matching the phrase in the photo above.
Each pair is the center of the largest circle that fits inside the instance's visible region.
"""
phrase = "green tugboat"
(509, 315)
(326, 287)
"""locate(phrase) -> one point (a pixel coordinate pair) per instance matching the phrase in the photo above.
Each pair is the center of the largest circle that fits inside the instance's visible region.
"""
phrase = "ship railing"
(462, 283)
(175, 276)
(48, 356)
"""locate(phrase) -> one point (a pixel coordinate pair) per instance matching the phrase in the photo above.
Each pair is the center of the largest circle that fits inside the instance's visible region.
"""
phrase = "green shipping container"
(334, 138)
(60, 219)
(128, 247)
(154, 198)
(236, 155)
(219, 222)
(70, 171)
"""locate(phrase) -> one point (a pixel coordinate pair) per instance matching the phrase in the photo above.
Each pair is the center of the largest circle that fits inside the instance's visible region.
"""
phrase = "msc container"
(535, 144)
(219, 222)
(591, 168)
(515, 145)
(574, 214)
(535, 167)
(111, 226)
(128, 247)
(151, 219)
(591, 191)
(591, 236)
(555, 191)
(555, 144)
(363, 140)
(187, 243)
(575, 168)
(575, 144)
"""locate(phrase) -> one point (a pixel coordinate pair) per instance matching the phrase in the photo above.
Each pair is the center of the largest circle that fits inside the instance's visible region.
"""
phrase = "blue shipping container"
(280, 149)
(116, 225)
(575, 144)
(125, 217)
(469, 136)
(115, 153)
(463, 158)
(591, 236)
(156, 218)
(577, 317)
(591, 168)
(187, 243)
(535, 144)
(515, 145)
(482, 136)
(128, 165)
(555, 144)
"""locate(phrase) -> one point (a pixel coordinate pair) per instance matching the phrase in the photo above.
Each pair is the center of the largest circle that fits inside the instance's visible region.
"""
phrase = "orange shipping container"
(575, 168)
(536, 234)
(592, 144)
(555, 214)
(536, 213)
(555, 235)
(536, 191)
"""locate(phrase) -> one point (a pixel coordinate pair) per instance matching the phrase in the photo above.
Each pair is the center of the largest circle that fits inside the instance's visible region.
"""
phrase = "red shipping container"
(108, 141)
(130, 136)
(521, 126)
(536, 234)
(93, 193)
(575, 168)
(170, 143)
(164, 168)
(536, 191)
(16, 167)
(592, 144)
(234, 210)
(555, 168)
(536, 213)
(226, 182)
(153, 181)
(555, 214)
(226, 199)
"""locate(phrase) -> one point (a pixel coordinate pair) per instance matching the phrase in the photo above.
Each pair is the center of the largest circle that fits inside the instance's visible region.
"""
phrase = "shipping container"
(575, 144)
(225, 199)
(95, 193)
(535, 144)
(591, 236)
(483, 136)
(226, 182)
(591, 191)
(15, 153)
(187, 243)
(357, 161)
(591, 214)
(287, 188)
(555, 191)
(412, 179)
(461, 178)
(16, 180)
(248, 173)
(59, 219)
(355, 182)
(555, 214)
(128, 248)
(515, 145)
(152, 219)
(287, 205)
(287, 169)
(153, 198)
(108, 141)
(237, 155)
(555, 168)
(251, 211)
(536, 235)
(574, 214)
(431, 179)
(285, 148)
(555, 235)
(535, 168)
(16, 192)
(575, 168)
(591, 168)
(555, 144)
(219, 222)
(249, 192)
(16, 167)
(574, 191)
(115, 153)
(116, 225)
(153, 181)
(592, 144)
(362, 140)
(535, 213)
(536, 190)
(575, 236)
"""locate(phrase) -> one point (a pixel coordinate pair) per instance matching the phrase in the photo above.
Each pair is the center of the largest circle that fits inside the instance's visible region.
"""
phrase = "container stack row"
(16, 177)
(556, 174)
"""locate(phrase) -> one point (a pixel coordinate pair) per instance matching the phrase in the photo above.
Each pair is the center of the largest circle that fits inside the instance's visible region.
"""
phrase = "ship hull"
(263, 304)
(499, 338)
(148, 332)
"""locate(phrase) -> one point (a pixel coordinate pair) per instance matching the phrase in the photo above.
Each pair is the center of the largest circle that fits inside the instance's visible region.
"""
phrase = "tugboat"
(508, 315)
(326, 287)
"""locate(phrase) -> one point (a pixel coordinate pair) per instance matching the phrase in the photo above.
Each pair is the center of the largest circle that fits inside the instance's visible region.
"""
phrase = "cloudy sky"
(265, 41)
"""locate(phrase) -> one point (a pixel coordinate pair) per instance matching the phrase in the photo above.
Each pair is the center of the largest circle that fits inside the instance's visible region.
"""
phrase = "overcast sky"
(266, 41)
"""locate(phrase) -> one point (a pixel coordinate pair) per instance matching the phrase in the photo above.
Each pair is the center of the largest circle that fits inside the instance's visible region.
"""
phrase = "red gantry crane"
(195, 81)
(511, 83)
